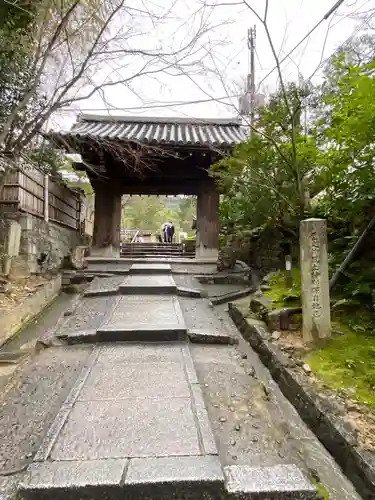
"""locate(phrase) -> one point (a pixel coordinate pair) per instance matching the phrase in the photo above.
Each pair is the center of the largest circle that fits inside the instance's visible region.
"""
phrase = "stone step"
(162, 478)
(171, 245)
(152, 318)
(143, 284)
(152, 268)
(152, 250)
(149, 254)
(157, 251)
(161, 251)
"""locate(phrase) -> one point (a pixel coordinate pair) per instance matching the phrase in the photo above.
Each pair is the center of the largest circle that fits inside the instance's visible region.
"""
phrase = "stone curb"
(279, 482)
(204, 337)
(193, 293)
(221, 279)
(28, 310)
(101, 293)
(321, 416)
(227, 297)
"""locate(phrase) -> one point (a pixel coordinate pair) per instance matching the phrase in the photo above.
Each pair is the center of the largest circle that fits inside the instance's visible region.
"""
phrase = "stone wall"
(39, 236)
(36, 237)
(263, 251)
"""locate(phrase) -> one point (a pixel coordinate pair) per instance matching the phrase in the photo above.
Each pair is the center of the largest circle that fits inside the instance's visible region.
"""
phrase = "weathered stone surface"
(13, 320)
(116, 429)
(280, 482)
(88, 315)
(104, 286)
(79, 476)
(135, 380)
(230, 296)
(131, 401)
(152, 318)
(273, 319)
(315, 279)
(135, 353)
(215, 337)
(39, 236)
(175, 478)
(260, 306)
(207, 437)
(148, 284)
(150, 268)
(190, 292)
(322, 420)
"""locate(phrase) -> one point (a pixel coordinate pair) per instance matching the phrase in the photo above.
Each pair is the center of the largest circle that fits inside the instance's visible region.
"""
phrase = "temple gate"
(150, 156)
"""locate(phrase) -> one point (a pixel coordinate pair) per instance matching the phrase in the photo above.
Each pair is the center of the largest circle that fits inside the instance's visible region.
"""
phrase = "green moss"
(282, 295)
(347, 361)
(321, 489)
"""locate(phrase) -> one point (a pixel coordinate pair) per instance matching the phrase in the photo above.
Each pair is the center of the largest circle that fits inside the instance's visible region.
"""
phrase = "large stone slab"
(148, 285)
(151, 268)
(136, 353)
(117, 429)
(135, 380)
(144, 318)
(280, 482)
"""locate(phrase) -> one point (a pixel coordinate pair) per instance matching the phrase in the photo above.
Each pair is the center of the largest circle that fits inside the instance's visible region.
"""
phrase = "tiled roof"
(168, 131)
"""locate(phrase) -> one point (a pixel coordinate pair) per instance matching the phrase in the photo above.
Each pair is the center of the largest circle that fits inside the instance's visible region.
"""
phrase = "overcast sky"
(288, 21)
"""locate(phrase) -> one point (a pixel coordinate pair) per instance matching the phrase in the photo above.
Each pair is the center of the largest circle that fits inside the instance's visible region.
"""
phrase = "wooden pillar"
(207, 242)
(107, 220)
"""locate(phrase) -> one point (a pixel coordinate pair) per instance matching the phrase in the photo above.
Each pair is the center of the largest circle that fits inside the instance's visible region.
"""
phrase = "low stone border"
(320, 415)
(222, 279)
(228, 297)
(27, 310)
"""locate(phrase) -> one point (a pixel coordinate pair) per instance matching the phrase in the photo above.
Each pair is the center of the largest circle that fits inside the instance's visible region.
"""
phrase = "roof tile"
(169, 131)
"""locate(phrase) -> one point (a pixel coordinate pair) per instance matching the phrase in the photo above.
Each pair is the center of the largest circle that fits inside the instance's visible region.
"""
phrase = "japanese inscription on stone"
(316, 318)
(315, 276)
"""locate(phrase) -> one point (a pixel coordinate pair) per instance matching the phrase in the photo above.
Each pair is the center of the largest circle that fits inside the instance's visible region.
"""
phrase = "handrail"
(135, 236)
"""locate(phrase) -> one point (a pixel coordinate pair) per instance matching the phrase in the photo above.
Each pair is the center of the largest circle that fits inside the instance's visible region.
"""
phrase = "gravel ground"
(29, 404)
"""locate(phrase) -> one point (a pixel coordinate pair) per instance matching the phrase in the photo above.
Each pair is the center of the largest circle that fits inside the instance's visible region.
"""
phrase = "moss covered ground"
(347, 360)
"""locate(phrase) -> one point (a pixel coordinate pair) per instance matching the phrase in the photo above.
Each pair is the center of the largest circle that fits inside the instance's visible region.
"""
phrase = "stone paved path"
(135, 424)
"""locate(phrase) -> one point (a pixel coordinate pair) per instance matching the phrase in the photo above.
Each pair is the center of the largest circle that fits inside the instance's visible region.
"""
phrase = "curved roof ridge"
(86, 117)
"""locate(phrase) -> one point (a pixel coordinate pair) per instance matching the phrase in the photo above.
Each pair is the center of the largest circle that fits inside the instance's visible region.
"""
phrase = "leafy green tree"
(146, 212)
(347, 135)
(264, 179)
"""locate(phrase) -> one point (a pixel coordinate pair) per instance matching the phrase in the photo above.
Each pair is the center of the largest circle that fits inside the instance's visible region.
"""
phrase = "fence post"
(46, 200)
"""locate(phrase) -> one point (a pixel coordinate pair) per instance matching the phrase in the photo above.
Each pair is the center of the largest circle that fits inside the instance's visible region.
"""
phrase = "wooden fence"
(33, 192)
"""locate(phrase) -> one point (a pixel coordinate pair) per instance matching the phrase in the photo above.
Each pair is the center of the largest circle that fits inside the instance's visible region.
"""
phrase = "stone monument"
(315, 280)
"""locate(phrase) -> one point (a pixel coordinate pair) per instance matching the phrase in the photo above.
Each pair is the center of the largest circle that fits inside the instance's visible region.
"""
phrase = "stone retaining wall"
(320, 415)
(263, 252)
(39, 236)
(36, 237)
(33, 305)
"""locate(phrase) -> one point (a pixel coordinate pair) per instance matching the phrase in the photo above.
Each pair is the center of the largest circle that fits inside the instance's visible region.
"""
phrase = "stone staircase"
(154, 250)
